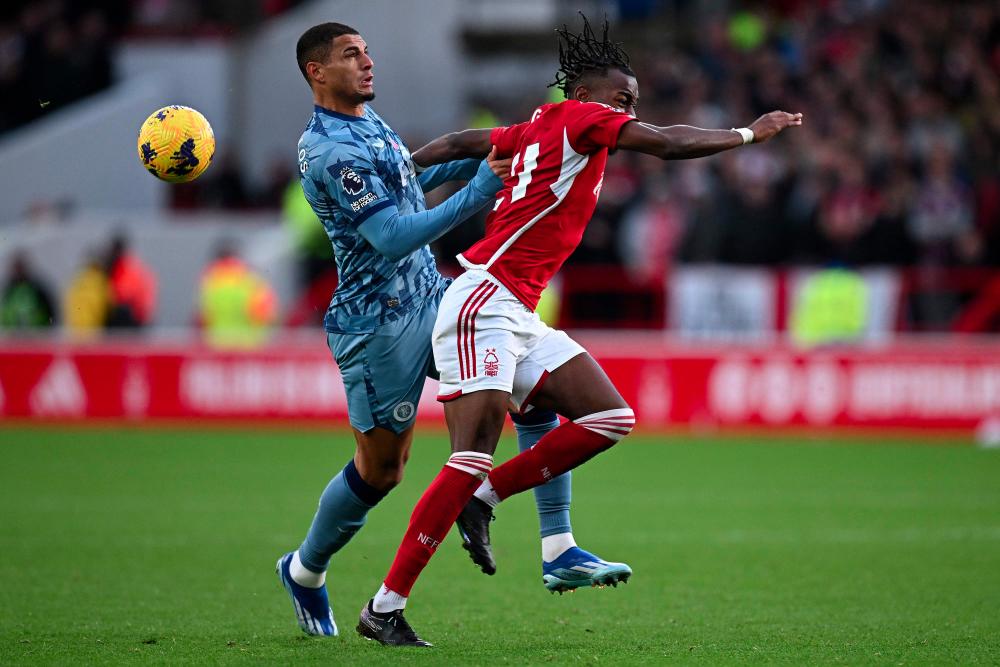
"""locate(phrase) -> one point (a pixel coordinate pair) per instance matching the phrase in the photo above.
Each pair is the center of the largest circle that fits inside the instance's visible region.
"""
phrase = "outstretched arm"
(347, 176)
(681, 142)
(456, 170)
(454, 146)
(395, 236)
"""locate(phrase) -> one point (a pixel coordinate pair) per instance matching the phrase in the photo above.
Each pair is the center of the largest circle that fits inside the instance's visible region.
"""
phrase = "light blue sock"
(552, 498)
(343, 508)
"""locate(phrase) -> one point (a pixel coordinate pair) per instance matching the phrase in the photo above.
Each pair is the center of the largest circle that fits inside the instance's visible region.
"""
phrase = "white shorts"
(484, 338)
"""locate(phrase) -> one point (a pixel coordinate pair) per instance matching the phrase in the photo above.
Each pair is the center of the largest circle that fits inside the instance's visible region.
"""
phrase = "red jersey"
(539, 217)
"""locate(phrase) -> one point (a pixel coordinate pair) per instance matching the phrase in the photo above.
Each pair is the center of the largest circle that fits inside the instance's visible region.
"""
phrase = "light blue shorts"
(384, 371)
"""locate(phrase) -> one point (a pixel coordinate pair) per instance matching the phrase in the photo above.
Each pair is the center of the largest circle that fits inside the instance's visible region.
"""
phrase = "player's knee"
(382, 472)
(630, 420)
(614, 424)
(623, 421)
(387, 475)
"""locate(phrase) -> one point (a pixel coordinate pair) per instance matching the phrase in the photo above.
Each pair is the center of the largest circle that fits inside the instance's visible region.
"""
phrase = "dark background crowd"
(898, 161)
(112, 289)
(896, 164)
(53, 52)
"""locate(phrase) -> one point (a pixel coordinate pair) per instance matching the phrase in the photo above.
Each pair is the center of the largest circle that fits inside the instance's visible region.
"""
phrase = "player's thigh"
(384, 372)
(477, 337)
(549, 349)
(578, 388)
(477, 343)
(475, 421)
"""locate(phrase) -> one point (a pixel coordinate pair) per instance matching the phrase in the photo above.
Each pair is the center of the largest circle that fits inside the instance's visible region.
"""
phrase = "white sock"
(303, 576)
(386, 600)
(487, 493)
(553, 546)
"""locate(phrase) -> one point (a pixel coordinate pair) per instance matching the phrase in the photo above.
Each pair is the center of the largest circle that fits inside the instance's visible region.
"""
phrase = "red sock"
(434, 515)
(562, 449)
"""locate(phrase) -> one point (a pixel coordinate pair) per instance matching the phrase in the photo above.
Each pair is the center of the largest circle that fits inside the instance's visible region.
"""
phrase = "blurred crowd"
(54, 52)
(112, 289)
(897, 162)
(115, 289)
(201, 17)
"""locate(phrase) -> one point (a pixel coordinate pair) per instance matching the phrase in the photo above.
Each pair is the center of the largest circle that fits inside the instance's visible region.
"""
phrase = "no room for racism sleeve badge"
(354, 185)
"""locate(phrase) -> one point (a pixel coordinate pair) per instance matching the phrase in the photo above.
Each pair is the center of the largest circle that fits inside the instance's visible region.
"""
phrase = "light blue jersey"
(358, 176)
(351, 168)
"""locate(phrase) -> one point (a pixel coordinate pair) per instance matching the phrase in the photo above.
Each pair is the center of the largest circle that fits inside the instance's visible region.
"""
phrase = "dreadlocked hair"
(584, 54)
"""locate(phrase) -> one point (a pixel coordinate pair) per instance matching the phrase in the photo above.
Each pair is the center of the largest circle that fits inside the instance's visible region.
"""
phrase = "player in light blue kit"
(360, 180)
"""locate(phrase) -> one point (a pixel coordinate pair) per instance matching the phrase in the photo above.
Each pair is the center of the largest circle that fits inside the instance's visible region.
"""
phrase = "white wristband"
(746, 133)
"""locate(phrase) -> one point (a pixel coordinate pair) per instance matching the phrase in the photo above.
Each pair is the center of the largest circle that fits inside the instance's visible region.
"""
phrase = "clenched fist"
(500, 167)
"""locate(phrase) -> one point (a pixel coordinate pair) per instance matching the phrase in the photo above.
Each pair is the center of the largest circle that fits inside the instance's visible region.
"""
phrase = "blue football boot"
(576, 568)
(312, 606)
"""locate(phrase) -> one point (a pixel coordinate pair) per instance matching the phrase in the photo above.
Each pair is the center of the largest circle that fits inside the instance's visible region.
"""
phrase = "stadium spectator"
(87, 300)
(754, 230)
(831, 307)
(26, 302)
(941, 216)
(133, 287)
(651, 231)
(236, 305)
(312, 247)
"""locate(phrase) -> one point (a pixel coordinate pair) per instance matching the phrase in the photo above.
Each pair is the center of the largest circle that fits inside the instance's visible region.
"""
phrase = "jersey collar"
(336, 114)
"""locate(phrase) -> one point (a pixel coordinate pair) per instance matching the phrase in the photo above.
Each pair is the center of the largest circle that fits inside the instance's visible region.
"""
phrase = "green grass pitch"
(158, 546)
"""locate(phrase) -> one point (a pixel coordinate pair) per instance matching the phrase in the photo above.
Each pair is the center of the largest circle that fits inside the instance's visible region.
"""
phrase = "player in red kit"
(493, 352)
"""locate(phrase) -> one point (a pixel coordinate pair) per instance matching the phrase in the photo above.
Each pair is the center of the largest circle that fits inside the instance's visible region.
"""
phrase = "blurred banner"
(722, 303)
(907, 384)
(293, 381)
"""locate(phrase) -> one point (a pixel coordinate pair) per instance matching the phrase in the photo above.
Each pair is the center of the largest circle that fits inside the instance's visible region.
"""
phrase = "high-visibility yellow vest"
(237, 306)
(831, 307)
(87, 300)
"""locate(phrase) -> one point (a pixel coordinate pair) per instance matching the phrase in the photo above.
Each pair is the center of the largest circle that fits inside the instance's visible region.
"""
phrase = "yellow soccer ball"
(176, 144)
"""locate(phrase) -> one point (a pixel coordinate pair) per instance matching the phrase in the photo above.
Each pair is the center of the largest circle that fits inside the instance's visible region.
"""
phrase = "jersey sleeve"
(506, 139)
(353, 184)
(593, 126)
(457, 170)
(395, 236)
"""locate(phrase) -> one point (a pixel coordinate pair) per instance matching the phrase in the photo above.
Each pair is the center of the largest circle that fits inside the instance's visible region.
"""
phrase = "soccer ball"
(176, 144)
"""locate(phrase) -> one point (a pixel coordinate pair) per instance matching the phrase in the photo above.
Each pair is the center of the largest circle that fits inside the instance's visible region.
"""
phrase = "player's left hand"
(770, 124)
(500, 167)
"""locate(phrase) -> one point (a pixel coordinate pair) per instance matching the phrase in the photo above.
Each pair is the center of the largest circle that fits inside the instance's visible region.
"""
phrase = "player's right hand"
(500, 167)
(770, 124)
